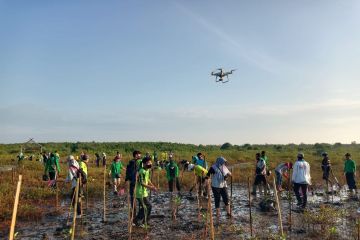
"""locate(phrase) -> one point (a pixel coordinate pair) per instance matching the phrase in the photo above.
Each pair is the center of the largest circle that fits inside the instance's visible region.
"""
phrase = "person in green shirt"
(115, 171)
(172, 175)
(143, 183)
(52, 168)
(350, 172)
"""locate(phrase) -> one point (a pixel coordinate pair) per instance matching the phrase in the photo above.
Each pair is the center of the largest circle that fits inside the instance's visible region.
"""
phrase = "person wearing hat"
(301, 179)
(219, 173)
(282, 170)
(72, 177)
(350, 173)
(326, 168)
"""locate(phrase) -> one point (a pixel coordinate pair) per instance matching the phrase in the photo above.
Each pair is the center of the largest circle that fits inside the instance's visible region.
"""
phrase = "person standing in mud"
(326, 168)
(260, 175)
(143, 185)
(83, 165)
(350, 173)
(72, 177)
(282, 170)
(172, 174)
(52, 168)
(115, 171)
(131, 171)
(219, 173)
(301, 179)
(200, 164)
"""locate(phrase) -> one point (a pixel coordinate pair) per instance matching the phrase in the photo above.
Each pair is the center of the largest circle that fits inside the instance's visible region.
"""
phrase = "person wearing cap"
(282, 170)
(326, 169)
(219, 173)
(350, 173)
(260, 175)
(301, 179)
(143, 185)
(115, 171)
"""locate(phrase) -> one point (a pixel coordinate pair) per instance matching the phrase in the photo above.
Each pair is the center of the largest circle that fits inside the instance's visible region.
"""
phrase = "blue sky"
(140, 71)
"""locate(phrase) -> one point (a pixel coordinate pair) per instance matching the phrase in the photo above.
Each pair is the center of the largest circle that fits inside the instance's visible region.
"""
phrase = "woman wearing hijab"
(219, 172)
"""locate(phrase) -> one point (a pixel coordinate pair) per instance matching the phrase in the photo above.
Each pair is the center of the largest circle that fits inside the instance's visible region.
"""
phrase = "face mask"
(148, 166)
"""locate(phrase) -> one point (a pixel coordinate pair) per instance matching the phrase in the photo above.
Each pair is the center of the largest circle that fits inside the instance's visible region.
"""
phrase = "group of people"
(138, 175)
(301, 178)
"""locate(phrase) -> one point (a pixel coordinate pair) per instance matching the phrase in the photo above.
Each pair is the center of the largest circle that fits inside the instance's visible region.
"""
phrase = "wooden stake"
(87, 195)
(251, 228)
(278, 208)
(57, 197)
(104, 195)
(16, 203)
(231, 192)
(158, 179)
(212, 235)
(13, 174)
(290, 200)
(75, 209)
(133, 209)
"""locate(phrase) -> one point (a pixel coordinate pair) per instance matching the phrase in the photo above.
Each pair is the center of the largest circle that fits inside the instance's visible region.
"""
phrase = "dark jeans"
(260, 179)
(144, 210)
(350, 180)
(171, 184)
(278, 178)
(220, 192)
(131, 192)
(301, 201)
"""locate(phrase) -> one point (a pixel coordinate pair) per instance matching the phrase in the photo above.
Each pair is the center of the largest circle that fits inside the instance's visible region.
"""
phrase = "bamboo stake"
(16, 203)
(231, 192)
(158, 179)
(104, 196)
(210, 212)
(133, 208)
(87, 195)
(198, 197)
(75, 209)
(80, 186)
(251, 228)
(290, 201)
(278, 208)
(57, 198)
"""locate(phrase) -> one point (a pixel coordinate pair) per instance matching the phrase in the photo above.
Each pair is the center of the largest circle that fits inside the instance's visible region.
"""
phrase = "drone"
(221, 74)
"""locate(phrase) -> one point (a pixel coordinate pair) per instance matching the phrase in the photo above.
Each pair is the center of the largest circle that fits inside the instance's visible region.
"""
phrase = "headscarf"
(218, 179)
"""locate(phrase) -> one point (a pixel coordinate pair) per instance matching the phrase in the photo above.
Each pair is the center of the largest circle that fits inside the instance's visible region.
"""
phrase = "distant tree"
(226, 146)
(353, 143)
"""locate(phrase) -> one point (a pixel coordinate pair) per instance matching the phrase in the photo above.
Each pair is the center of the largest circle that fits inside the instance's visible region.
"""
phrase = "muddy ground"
(190, 225)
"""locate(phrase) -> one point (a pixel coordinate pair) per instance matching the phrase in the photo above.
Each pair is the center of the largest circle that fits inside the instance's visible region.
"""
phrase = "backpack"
(81, 173)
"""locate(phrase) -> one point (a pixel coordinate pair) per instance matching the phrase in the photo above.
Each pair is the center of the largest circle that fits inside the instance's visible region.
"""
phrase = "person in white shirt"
(301, 179)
